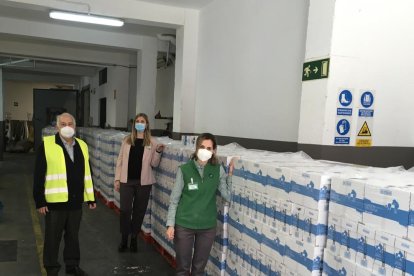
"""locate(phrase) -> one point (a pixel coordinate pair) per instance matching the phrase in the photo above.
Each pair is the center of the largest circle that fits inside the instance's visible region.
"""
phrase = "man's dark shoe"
(52, 271)
(122, 247)
(76, 270)
(134, 244)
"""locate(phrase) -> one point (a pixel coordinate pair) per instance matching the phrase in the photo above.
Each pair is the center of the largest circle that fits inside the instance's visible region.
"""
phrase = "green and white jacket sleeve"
(175, 198)
(225, 185)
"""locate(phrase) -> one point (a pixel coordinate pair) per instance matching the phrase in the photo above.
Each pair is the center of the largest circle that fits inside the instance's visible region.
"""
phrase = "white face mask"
(67, 132)
(204, 154)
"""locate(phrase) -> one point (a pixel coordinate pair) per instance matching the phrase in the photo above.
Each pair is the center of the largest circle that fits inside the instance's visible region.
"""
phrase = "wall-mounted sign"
(344, 107)
(363, 143)
(317, 69)
(367, 99)
(345, 98)
(365, 119)
(342, 129)
(343, 117)
(364, 131)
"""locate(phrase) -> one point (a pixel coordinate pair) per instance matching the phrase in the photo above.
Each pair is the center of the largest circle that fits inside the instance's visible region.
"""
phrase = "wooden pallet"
(167, 256)
(145, 236)
(108, 203)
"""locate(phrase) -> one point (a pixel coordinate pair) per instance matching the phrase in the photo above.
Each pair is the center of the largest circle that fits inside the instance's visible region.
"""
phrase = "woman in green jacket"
(192, 214)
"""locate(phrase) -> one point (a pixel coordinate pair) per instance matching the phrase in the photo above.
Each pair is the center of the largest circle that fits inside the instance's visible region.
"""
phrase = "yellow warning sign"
(364, 131)
(363, 143)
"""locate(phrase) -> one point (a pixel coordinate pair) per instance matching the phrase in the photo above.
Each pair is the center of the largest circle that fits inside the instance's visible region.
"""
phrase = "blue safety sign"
(367, 99)
(341, 141)
(342, 127)
(344, 111)
(366, 113)
(345, 98)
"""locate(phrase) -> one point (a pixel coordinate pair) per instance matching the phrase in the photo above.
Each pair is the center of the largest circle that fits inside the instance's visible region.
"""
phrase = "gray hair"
(65, 114)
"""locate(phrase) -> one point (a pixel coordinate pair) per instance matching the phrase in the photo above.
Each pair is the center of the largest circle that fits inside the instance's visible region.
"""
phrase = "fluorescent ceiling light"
(86, 18)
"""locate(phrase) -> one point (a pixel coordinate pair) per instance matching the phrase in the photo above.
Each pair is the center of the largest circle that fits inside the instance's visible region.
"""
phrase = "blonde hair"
(147, 132)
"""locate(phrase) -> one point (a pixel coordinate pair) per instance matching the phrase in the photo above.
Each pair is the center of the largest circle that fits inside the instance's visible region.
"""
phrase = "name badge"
(192, 186)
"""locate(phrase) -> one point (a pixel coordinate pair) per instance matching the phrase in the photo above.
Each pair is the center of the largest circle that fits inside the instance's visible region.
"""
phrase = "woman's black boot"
(123, 245)
(134, 243)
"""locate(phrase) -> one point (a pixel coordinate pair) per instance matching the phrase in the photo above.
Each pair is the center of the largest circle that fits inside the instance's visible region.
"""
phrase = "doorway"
(47, 104)
(102, 112)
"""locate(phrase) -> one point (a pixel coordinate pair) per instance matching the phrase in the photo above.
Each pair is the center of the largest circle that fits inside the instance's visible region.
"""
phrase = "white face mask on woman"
(204, 154)
(67, 132)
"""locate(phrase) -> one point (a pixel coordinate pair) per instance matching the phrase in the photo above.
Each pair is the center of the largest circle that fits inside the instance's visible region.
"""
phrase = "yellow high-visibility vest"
(56, 187)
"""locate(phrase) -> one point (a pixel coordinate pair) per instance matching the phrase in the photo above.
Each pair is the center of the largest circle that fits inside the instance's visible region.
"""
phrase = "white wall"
(21, 93)
(250, 59)
(318, 46)
(132, 98)
(372, 48)
(116, 102)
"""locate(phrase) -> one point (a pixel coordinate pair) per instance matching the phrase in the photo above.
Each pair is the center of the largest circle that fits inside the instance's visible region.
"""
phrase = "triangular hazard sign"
(364, 131)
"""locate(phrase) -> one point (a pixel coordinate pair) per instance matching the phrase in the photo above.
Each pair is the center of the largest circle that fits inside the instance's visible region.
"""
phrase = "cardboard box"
(297, 216)
(309, 187)
(364, 247)
(333, 242)
(302, 257)
(278, 182)
(316, 225)
(348, 236)
(273, 242)
(404, 256)
(347, 197)
(387, 207)
(336, 265)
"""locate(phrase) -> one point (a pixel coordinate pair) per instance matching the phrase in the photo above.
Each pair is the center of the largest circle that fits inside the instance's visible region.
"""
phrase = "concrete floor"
(99, 234)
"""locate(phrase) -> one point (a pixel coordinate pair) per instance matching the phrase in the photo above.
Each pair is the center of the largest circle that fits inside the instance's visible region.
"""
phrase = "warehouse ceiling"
(30, 64)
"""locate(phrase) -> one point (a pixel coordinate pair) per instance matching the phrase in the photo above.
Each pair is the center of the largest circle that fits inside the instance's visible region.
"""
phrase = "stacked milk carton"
(278, 221)
(106, 141)
(218, 255)
(278, 217)
(47, 131)
(104, 147)
(174, 155)
(88, 135)
(369, 231)
(116, 144)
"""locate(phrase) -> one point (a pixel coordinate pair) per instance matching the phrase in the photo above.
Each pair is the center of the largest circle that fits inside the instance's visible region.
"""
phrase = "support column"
(314, 92)
(185, 75)
(147, 78)
(365, 43)
(2, 145)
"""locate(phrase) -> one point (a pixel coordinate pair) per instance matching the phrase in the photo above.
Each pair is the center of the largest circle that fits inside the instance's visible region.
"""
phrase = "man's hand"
(43, 210)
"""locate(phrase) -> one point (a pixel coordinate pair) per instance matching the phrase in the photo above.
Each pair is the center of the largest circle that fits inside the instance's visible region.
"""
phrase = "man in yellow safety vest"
(62, 183)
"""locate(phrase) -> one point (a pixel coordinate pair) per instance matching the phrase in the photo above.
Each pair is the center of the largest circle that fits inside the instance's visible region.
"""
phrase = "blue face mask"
(140, 127)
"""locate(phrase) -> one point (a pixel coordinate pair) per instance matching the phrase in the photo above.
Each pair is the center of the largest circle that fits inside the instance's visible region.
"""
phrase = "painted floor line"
(36, 227)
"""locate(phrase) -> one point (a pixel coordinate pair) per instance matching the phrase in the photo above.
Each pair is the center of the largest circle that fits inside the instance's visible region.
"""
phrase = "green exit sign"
(317, 69)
